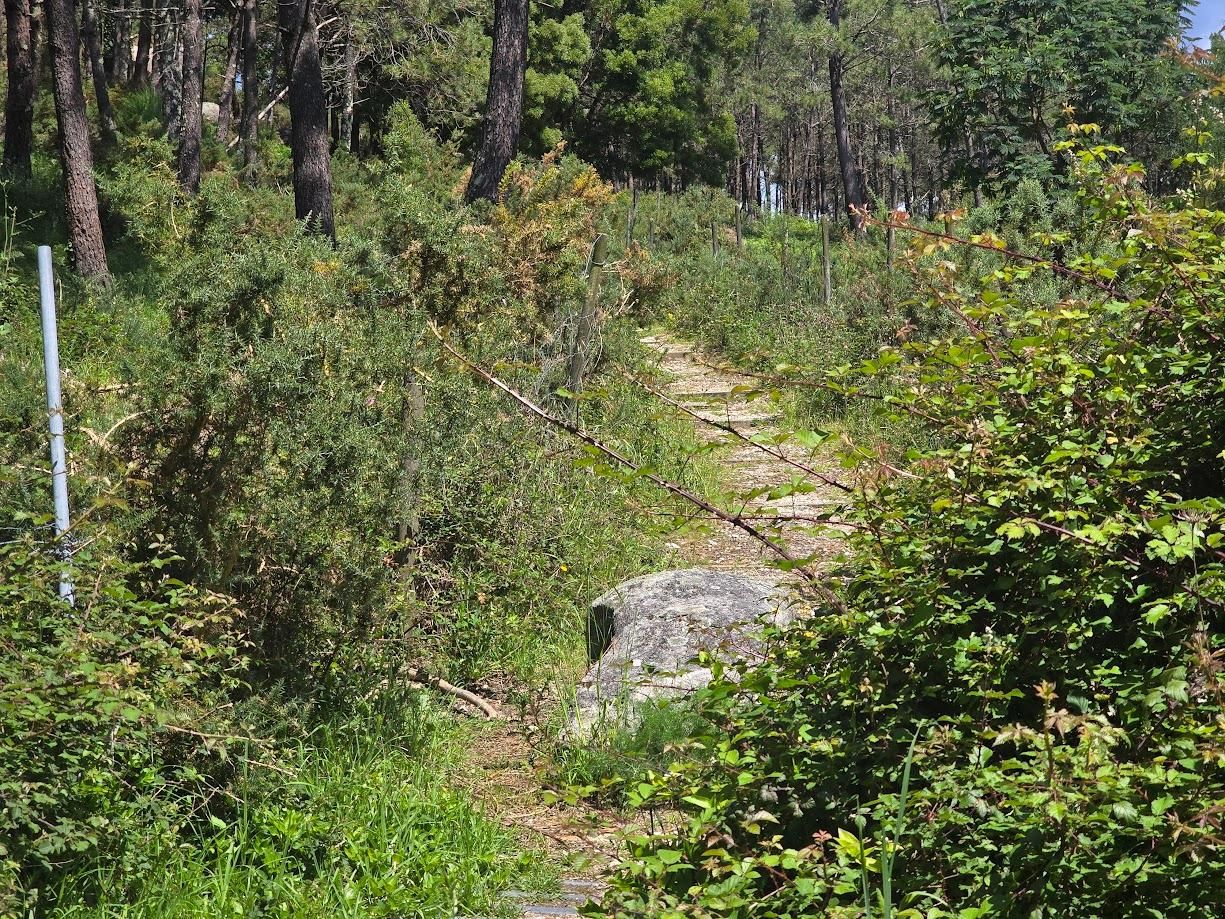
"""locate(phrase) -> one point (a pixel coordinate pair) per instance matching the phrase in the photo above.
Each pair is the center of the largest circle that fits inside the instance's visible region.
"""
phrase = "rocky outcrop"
(643, 636)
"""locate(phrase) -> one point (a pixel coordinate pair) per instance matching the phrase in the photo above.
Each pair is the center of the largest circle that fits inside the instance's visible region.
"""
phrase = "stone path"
(734, 400)
(724, 397)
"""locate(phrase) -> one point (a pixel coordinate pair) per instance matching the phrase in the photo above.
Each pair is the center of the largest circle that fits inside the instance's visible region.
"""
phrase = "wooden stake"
(586, 323)
(826, 273)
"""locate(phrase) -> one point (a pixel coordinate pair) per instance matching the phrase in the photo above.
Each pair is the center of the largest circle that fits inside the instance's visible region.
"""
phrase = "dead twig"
(735, 520)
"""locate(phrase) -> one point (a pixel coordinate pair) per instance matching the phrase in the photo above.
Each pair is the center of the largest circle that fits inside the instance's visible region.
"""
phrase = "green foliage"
(102, 705)
(276, 413)
(654, 71)
(362, 824)
(763, 305)
(432, 54)
(10, 263)
(414, 152)
(560, 49)
(1017, 69)
(618, 756)
(1039, 597)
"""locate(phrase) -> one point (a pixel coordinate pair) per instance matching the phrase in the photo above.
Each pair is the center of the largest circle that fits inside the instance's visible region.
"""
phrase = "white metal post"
(55, 413)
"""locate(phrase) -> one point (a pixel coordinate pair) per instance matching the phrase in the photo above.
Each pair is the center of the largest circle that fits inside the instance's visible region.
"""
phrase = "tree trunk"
(345, 131)
(225, 101)
(144, 46)
(81, 196)
(250, 91)
(158, 24)
(193, 94)
(853, 193)
(120, 60)
(169, 73)
(93, 46)
(504, 99)
(308, 116)
(21, 28)
(758, 156)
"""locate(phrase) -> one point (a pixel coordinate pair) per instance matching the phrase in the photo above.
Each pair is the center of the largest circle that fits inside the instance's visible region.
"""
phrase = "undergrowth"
(1032, 610)
(618, 755)
(359, 819)
(287, 496)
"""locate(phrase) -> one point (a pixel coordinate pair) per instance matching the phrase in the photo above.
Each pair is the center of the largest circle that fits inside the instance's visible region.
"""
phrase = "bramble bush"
(1037, 597)
(113, 710)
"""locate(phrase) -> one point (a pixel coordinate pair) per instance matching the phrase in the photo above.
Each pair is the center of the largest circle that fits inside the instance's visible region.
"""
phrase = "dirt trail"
(585, 838)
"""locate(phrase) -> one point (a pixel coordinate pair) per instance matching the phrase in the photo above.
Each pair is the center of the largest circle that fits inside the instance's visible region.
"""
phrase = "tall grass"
(363, 824)
(623, 750)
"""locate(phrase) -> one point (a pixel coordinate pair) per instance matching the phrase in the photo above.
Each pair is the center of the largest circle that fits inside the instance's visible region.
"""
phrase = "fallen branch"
(735, 520)
(263, 113)
(818, 384)
(1050, 265)
(730, 429)
(104, 440)
(421, 678)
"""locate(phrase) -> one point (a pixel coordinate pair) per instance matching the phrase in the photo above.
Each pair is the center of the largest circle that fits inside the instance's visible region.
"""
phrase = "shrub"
(105, 723)
(1039, 597)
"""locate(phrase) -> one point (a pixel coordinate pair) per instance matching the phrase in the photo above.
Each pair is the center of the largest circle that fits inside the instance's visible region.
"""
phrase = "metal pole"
(55, 413)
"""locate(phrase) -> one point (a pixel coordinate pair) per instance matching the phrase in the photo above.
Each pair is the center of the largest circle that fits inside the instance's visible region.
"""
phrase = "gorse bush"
(1038, 595)
(270, 420)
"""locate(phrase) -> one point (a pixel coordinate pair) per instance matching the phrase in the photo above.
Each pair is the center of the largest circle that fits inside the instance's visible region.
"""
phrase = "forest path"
(775, 483)
(582, 838)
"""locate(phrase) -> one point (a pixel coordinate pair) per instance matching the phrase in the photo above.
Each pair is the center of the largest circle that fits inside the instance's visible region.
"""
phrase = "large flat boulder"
(643, 637)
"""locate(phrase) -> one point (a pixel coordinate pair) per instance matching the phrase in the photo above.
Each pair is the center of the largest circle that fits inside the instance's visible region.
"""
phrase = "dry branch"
(421, 678)
(731, 429)
(735, 520)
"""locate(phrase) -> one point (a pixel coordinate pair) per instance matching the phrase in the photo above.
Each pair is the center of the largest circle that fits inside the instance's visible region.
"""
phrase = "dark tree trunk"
(504, 99)
(250, 91)
(81, 196)
(225, 101)
(308, 116)
(119, 62)
(21, 28)
(853, 193)
(893, 144)
(168, 72)
(193, 94)
(144, 46)
(160, 24)
(93, 46)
